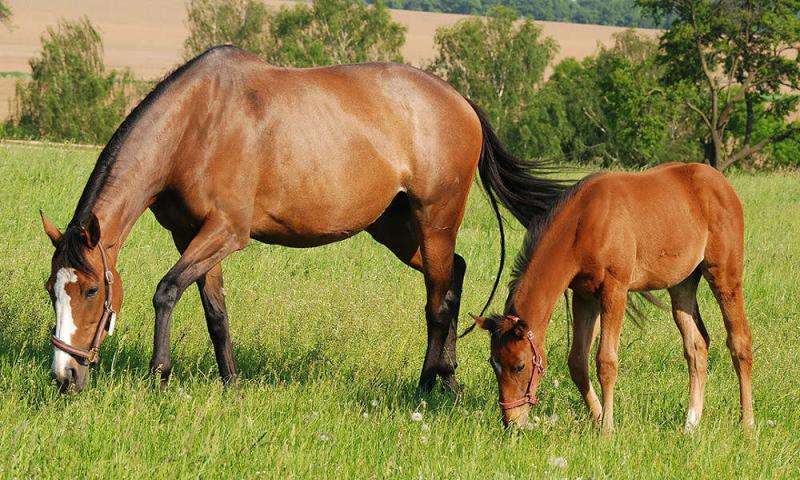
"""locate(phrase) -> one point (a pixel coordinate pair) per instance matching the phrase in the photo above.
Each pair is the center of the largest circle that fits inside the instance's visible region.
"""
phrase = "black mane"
(72, 244)
(539, 224)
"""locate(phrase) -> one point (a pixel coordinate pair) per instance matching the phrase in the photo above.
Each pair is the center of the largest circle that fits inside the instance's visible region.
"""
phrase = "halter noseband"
(537, 372)
(92, 355)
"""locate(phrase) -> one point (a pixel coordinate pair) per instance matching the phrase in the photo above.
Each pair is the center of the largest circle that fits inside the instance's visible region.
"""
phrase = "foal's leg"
(727, 289)
(216, 239)
(614, 299)
(585, 312)
(212, 296)
(695, 344)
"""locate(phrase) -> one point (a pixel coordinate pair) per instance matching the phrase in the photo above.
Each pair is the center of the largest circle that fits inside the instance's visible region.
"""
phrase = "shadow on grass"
(292, 364)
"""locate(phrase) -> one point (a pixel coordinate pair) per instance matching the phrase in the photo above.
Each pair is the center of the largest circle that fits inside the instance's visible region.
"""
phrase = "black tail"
(513, 182)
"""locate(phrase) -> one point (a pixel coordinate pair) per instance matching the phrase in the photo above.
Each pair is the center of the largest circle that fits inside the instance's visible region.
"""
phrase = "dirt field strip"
(147, 35)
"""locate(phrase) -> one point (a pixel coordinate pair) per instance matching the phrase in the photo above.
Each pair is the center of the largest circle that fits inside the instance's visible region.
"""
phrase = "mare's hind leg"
(695, 344)
(214, 241)
(726, 283)
(212, 296)
(585, 312)
(397, 230)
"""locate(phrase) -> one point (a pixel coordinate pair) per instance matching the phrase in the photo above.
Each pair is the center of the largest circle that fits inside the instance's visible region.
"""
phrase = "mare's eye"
(518, 368)
(91, 292)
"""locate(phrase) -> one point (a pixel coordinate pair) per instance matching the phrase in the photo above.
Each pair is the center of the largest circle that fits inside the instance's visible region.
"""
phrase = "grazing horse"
(610, 234)
(228, 148)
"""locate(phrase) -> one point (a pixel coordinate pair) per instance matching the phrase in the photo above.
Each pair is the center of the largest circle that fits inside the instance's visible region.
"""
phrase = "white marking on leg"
(65, 326)
(692, 421)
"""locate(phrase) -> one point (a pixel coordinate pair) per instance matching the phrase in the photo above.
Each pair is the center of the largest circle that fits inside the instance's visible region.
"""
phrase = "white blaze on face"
(65, 326)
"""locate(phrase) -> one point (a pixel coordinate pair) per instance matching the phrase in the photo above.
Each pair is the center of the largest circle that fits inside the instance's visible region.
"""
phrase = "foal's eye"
(518, 368)
(91, 292)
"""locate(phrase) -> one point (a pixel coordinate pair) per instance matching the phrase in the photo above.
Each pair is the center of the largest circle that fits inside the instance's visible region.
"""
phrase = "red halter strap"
(92, 355)
(537, 372)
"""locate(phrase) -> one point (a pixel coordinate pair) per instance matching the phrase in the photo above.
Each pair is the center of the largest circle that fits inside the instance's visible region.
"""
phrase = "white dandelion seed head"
(365, 415)
(416, 417)
(530, 426)
(426, 427)
(537, 419)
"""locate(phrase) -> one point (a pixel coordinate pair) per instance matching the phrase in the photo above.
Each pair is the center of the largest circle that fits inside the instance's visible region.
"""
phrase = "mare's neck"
(551, 269)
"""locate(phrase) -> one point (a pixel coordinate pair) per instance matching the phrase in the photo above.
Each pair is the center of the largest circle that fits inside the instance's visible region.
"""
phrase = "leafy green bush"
(70, 95)
(323, 33)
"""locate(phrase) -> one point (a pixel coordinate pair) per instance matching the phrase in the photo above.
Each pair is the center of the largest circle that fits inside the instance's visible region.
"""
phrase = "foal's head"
(518, 363)
(80, 289)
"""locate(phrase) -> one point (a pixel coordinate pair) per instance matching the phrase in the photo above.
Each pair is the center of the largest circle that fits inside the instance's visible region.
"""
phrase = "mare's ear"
(50, 229)
(520, 328)
(91, 231)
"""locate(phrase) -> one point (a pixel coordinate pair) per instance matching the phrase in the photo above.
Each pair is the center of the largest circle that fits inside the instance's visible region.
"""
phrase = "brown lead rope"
(93, 354)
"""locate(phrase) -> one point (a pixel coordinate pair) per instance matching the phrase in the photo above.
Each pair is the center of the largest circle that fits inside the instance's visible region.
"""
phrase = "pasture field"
(330, 341)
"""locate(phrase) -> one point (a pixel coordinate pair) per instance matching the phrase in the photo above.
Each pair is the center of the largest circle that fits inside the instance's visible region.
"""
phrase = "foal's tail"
(516, 184)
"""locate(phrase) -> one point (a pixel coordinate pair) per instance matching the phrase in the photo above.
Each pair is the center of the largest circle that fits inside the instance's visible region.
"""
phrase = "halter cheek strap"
(537, 372)
(92, 355)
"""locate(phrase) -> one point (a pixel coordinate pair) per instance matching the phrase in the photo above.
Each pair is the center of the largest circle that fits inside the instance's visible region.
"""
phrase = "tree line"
(621, 13)
(719, 86)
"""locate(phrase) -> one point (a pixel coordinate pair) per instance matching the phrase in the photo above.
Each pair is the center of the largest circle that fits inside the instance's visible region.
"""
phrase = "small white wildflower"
(530, 426)
(559, 462)
(537, 420)
(374, 404)
(325, 436)
(771, 423)
(416, 417)
(365, 415)
(426, 427)
(423, 439)
(556, 383)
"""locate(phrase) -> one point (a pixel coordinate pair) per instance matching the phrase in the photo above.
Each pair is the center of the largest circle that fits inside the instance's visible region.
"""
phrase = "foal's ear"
(520, 328)
(483, 323)
(91, 231)
(50, 229)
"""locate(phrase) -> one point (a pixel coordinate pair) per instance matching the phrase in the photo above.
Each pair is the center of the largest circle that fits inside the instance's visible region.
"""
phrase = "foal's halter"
(537, 372)
(92, 355)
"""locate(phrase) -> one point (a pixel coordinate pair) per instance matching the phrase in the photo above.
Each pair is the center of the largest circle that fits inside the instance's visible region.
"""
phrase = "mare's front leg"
(216, 239)
(614, 299)
(212, 294)
(586, 313)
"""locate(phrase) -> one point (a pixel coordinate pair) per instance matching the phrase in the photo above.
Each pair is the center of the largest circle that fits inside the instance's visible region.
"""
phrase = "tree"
(5, 13)
(499, 63)
(618, 111)
(323, 33)
(333, 32)
(738, 52)
(214, 22)
(70, 95)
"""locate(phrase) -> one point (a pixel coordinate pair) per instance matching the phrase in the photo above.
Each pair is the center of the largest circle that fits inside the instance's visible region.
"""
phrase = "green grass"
(330, 341)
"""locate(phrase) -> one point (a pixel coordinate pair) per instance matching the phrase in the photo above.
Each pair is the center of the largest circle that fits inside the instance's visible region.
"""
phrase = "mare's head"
(518, 363)
(84, 298)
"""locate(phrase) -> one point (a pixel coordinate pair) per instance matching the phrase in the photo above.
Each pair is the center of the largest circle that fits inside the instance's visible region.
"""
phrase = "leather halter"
(92, 355)
(537, 372)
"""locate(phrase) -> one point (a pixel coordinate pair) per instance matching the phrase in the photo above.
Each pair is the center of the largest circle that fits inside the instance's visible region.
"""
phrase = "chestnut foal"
(608, 235)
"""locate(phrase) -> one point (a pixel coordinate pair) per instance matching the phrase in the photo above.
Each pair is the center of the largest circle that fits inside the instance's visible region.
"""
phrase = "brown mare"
(610, 234)
(228, 148)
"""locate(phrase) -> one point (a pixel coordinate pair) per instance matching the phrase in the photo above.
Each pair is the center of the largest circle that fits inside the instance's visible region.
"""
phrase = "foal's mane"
(71, 244)
(536, 229)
